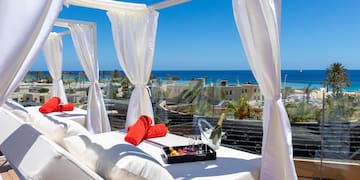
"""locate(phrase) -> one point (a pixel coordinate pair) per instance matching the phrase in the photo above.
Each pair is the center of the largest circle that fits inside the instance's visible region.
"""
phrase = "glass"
(199, 144)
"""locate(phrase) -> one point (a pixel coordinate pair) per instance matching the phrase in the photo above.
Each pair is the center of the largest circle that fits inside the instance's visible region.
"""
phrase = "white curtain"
(134, 34)
(25, 25)
(53, 49)
(84, 39)
(258, 22)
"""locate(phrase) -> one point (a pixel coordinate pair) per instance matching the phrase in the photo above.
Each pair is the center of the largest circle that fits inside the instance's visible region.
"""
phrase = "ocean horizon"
(297, 79)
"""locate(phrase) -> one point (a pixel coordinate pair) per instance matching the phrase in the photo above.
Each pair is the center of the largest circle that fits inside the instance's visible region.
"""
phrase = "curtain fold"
(84, 39)
(53, 49)
(134, 34)
(22, 36)
(258, 22)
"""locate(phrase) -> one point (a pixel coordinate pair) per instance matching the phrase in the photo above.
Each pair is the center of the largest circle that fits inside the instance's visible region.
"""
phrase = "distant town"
(239, 101)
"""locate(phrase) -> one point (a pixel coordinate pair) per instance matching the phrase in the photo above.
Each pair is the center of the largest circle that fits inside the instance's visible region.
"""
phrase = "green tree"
(203, 104)
(126, 87)
(337, 78)
(302, 112)
(103, 74)
(152, 76)
(38, 75)
(341, 108)
(82, 79)
(77, 79)
(115, 76)
(243, 110)
(43, 90)
(48, 78)
(287, 91)
(67, 75)
(67, 78)
(32, 75)
(176, 78)
(189, 94)
(307, 91)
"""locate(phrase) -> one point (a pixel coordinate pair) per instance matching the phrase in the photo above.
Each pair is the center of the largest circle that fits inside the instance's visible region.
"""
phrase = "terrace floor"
(6, 173)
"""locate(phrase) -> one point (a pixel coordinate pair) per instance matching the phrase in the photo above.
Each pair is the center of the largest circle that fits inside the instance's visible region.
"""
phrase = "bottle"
(217, 130)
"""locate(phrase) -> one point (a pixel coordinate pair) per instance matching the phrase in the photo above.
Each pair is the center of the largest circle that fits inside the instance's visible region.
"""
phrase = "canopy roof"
(118, 5)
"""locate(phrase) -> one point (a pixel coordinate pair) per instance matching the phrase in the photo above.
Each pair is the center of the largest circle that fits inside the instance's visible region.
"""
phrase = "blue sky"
(202, 35)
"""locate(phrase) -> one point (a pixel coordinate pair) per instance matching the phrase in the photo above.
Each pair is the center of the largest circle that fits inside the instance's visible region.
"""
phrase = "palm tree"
(307, 91)
(337, 78)
(38, 75)
(48, 78)
(115, 76)
(241, 109)
(67, 75)
(82, 78)
(287, 90)
(103, 74)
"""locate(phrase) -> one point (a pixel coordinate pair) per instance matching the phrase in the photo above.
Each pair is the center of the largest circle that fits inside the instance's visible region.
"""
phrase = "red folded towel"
(50, 106)
(158, 130)
(65, 107)
(137, 132)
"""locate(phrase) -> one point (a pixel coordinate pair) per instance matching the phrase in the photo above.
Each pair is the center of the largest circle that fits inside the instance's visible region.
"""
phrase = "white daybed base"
(33, 156)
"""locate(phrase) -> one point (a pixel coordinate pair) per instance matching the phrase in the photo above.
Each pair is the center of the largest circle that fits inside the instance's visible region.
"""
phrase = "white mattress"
(230, 163)
(77, 115)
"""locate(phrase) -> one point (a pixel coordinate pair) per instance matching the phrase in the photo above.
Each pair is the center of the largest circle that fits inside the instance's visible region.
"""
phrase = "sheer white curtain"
(258, 22)
(25, 25)
(53, 50)
(134, 34)
(84, 39)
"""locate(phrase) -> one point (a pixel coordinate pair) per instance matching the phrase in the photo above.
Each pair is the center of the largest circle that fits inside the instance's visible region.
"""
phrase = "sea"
(297, 79)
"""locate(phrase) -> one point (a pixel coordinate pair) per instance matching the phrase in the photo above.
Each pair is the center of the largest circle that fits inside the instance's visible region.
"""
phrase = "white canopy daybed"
(258, 22)
(84, 38)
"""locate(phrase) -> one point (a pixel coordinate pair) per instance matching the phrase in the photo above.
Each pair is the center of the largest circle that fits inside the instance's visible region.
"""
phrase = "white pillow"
(56, 129)
(17, 109)
(113, 158)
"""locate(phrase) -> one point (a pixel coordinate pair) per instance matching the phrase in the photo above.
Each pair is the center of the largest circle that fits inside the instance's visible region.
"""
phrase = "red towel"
(137, 132)
(65, 107)
(158, 130)
(50, 106)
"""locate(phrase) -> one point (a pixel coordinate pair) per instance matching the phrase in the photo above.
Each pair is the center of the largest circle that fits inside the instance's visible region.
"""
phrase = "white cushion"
(113, 158)
(56, 129)
(17, 109)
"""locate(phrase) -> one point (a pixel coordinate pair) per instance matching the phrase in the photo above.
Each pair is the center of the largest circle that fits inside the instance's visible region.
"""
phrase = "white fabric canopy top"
(258, 22)
(134, 34)
(21, 42)
(84, 39)
(53, 49)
